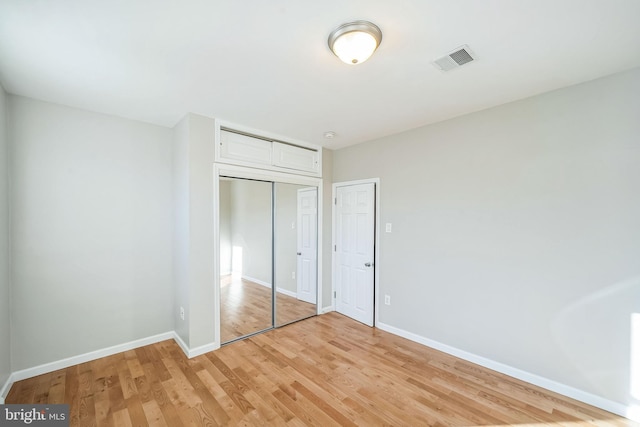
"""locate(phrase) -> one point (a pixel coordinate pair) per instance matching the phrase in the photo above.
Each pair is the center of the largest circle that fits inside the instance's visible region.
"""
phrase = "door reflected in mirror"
(295, 252)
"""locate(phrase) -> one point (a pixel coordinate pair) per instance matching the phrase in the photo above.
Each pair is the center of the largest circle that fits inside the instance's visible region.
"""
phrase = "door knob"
(367, 264)
(299, 253)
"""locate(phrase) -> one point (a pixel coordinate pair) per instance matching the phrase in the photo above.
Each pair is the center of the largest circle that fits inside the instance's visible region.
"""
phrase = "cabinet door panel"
(291, 157)
(235, 146)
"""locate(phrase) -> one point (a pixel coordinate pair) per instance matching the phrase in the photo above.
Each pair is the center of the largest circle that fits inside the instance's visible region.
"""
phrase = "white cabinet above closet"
(236, 146)
(293, 157)
(248, 148)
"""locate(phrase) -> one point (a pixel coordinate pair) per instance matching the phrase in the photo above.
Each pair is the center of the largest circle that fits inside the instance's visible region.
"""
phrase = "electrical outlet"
(182, 313)
(293, 274)
(388, 227)
(387, 300)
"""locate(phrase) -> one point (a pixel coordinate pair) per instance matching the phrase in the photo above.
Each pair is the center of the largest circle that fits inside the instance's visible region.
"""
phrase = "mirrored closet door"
(245, 257)
(268, 255)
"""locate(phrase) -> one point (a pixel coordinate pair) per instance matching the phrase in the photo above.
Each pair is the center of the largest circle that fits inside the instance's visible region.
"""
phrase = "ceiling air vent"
(454, 59)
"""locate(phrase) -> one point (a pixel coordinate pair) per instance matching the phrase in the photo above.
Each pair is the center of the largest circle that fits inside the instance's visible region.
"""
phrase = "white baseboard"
(206, 348)
(257, 281)
(76, 360)
(181, 344)
(197, 351)
(4, 389)
(565, 390)
(328, 309)
(92, 355)
(268, 285)
(97, 354)
(287, 292)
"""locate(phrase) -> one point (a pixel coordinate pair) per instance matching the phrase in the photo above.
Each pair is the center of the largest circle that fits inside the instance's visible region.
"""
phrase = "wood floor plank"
(322, 405)
(292, 405)
(121, 418)
(263, 390)
(201, 416)
(182, 389)
(72, 393)
(153, 414)
(57, 387)
(41, 392)
(209, 406)
(233, 386)
(136, 412)
(103, 414)
(232, 412)
(135, 368)
(87, 412)
(143, 387)
(277, 377)
(160, 396)
(327, 370)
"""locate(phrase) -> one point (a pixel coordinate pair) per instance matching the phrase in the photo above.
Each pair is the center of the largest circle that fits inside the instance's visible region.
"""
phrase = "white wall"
(180, 170)
(91, 208)
(225, 227)
(251, 227)
(5, 276)
(193, 257)
(516, 232)
(249, 216)
(326, 299)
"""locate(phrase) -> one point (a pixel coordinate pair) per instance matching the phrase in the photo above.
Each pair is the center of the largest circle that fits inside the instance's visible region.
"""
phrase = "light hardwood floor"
(327, 370)
(245, 308)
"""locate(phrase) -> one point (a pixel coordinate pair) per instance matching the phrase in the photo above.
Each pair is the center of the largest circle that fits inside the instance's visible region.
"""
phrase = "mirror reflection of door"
(308, 245)
(295, 252)
(245, 258)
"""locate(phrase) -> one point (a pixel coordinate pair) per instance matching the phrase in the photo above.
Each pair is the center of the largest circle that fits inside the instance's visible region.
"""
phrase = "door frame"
(221, 169)
(376, 240)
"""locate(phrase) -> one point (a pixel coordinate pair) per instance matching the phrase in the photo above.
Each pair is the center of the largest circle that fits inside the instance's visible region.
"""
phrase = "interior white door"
(307, 245)
(355, 233)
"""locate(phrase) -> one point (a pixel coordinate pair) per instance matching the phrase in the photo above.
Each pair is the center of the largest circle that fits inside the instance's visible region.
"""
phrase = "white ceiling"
(266, 64)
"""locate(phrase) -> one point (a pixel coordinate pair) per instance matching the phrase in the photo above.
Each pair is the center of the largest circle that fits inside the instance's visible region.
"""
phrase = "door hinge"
(335, 201)
(334, 294)
(335, 248)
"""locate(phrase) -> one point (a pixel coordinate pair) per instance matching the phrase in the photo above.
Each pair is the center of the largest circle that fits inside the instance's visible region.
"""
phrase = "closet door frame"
(232, 171)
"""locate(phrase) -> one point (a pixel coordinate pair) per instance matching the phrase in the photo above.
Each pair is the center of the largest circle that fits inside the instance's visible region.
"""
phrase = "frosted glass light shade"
(355, 42)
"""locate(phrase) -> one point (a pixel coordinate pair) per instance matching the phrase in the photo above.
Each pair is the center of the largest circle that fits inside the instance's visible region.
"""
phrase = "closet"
(267, 233)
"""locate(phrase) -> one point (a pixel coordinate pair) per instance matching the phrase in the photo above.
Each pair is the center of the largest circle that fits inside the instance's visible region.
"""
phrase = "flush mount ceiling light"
(355, 42)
